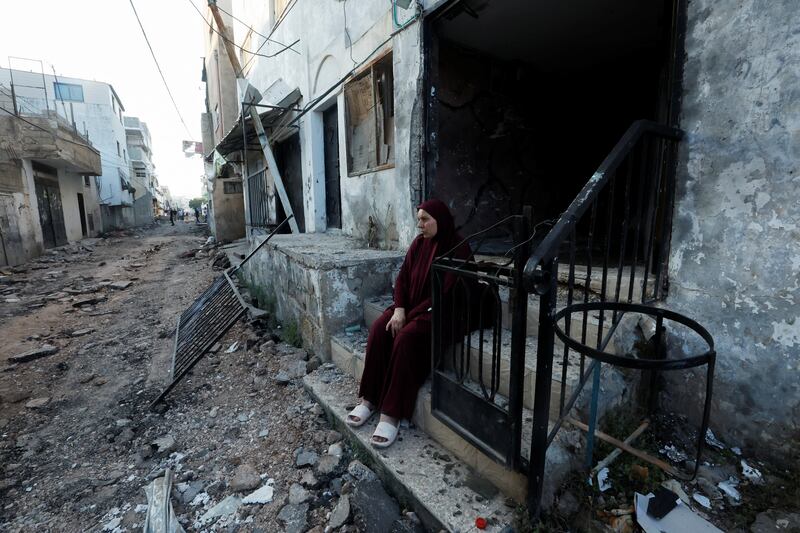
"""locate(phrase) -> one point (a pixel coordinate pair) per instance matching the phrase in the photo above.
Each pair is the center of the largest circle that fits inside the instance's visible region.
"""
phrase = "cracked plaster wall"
(735, 259)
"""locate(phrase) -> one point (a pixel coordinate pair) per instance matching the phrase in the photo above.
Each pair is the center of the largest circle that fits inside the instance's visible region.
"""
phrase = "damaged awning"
(272, 116)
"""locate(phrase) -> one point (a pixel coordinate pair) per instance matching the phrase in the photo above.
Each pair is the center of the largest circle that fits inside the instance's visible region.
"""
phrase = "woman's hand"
(397, 321)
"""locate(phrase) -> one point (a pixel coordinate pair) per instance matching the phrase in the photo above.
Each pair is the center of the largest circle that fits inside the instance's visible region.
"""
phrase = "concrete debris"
(753, 474)
(165, 444)
(32, 355)
(226, 507)
(702, 500)
(773, 520)
(294, 517)
(340, 513)
(297, 494)
(262, 495)
(730, 490)
(120, 285)
(81, 332)
(233, 347)
(245, 478)
(38, 402)
(306, 458)
(713, 441)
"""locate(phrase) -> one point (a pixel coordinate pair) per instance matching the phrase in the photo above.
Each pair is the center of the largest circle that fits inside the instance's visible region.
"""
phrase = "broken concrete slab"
(38, 402)
(32, 355)
(89, 301)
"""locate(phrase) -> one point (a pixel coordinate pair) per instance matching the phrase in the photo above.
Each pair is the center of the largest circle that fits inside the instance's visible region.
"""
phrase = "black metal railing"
(610, 245)
(477, 382)
(258, 199)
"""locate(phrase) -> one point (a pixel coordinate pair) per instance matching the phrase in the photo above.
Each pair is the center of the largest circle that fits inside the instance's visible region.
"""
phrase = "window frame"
(58, 90)
(381, 122)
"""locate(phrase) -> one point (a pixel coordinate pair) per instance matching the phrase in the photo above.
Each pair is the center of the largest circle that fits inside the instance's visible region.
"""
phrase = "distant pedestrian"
(171, 216)
(196, 216)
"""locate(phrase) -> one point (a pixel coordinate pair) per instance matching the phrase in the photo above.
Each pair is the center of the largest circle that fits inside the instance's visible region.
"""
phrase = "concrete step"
(446, 493)
(374, 308)
(348, 355)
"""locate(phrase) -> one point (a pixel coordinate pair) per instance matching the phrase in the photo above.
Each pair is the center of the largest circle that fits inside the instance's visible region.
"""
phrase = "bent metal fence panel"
(209, 317)
(201, 325)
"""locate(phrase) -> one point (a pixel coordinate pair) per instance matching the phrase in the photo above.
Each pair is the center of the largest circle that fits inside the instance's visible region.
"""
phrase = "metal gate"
(470, 350)
(51, 214)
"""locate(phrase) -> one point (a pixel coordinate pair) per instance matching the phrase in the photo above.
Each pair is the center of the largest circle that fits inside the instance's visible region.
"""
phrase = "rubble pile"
(245, 446)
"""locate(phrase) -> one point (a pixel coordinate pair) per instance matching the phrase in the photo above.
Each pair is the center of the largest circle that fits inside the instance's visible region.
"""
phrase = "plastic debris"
(160, 514)
(673, 454)
(679, 520)
(232, 348)
(702, 500)
(480, 522)
(713, 441)
(729, 487)
(736, 450)
(602, 480)
(675, 486)
(262, 495)
(753, 474)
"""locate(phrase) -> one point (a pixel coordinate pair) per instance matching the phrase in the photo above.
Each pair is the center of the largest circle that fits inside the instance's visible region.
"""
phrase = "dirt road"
(78, 442)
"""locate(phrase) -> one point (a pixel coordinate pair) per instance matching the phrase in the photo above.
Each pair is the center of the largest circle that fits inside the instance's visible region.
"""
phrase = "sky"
(101, 40)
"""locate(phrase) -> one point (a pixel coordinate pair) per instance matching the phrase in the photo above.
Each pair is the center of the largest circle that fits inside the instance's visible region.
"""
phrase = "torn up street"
(87, 339)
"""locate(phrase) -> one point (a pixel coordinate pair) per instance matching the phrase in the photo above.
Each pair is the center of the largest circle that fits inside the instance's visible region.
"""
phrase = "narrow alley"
(96, 320)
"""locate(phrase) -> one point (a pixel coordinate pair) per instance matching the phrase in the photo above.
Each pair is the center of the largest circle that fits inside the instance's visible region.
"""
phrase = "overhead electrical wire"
(253, 54)
(285, 13)
(266, 37)
(166, 86)
(45, 129)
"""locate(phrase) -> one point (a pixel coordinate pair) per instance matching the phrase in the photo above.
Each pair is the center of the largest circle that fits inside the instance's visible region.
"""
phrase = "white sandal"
(362, 412)
(387, 431)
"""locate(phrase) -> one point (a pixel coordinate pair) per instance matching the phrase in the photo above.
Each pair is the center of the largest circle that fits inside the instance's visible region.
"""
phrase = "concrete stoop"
(423, 475)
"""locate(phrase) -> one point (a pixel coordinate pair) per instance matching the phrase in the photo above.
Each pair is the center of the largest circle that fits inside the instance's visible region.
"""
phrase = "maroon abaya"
(395, 368)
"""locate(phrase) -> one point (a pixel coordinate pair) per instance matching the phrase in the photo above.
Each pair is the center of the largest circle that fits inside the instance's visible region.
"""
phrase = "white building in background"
(95, 110)
(143, 177)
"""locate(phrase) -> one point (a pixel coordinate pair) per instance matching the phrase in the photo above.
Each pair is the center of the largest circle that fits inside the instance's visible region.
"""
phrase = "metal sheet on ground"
(201, 325)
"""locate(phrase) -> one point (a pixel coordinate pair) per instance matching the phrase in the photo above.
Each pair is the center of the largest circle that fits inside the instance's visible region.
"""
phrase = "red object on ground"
(480, 523)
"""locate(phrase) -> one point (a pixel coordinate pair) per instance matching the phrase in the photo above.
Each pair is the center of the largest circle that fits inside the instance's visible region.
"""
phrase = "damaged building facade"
(47, 173)
(148, 201)
(493, 106)
(94, 110)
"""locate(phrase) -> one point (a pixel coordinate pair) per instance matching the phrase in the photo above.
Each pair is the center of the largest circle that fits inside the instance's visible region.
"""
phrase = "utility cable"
(224, 38)
(266, 37)
(159, 70)
(285, 13)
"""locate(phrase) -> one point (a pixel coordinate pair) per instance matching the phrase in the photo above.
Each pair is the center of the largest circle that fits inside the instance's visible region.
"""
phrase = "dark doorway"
(333, 193)
(287, 156)
(531, 96)
(48, 198)
(82, 211)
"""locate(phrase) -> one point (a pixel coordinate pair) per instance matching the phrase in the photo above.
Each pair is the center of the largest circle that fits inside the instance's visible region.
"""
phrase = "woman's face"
(426, 224)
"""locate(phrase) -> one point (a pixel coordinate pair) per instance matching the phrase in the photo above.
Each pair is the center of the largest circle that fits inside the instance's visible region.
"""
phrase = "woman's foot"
(360, 414)
(386, 432)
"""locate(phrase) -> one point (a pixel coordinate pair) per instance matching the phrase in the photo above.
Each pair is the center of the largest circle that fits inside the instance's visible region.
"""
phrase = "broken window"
(369, 102)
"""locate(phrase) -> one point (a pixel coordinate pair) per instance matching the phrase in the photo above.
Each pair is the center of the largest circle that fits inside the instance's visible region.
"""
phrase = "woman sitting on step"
(398, 358)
